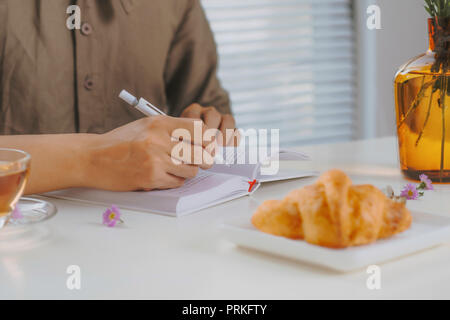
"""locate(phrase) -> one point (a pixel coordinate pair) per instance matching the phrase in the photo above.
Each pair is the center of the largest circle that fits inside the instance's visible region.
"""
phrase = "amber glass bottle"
(423, 119)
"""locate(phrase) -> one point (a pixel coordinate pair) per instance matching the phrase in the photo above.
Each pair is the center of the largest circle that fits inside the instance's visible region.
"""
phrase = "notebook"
(227, 180)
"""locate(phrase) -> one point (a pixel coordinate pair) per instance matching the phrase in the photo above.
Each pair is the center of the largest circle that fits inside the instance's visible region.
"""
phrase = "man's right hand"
(137, 156)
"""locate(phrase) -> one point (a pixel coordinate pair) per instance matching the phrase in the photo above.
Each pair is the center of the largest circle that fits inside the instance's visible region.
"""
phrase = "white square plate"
(426, 231)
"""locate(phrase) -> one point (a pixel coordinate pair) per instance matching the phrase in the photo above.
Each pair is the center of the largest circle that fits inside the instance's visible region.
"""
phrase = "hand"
(138, 156)
(215, 120)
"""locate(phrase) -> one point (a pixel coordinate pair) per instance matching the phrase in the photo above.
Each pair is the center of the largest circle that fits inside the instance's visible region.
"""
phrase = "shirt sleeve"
(191, 69)
(3, 23)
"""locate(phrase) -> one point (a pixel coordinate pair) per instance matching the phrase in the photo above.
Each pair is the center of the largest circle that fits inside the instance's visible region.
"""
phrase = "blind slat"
(288, 64)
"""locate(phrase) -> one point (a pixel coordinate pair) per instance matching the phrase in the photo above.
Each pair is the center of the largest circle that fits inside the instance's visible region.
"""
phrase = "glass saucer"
(32, 211)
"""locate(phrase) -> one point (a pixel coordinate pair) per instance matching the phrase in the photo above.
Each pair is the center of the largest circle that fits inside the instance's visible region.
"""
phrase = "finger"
(181, 152)
(211, 117)
(169, 181)
(235, 139)
(194, 111)
(188, 130)
(185, 171)
(211, 136)
(228, 123)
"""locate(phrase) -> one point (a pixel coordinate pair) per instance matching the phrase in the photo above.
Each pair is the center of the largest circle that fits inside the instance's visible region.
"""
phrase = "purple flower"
(111, 216)
(426, 182)
(16, 214)
(410, 192)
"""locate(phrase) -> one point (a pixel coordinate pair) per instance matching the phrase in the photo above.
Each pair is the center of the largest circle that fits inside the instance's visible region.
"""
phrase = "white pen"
(142, 105)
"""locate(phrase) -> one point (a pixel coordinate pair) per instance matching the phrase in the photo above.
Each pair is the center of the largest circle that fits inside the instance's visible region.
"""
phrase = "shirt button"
(88, 84)
(86, 29)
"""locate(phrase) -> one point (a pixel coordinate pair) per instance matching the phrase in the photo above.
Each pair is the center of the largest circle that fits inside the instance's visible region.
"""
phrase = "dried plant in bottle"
(431, 98)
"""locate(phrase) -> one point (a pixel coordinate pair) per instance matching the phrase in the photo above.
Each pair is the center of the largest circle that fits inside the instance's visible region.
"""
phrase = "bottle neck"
(439, 33)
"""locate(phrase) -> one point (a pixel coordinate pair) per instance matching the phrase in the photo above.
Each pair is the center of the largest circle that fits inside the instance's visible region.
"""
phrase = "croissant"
(333, 213)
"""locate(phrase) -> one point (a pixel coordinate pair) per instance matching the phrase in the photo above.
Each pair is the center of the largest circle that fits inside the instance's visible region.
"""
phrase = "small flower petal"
(106, 216)
(116, 212)
(115, 209)
(112, 223)
(426, 181)
(111, 216)
(410, 192)
(16, 214)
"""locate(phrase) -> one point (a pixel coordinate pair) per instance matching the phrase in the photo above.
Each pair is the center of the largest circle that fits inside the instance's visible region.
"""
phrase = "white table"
(153, 256)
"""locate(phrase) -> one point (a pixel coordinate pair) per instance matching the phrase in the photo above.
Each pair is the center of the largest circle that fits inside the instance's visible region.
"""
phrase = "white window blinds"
(288, 65)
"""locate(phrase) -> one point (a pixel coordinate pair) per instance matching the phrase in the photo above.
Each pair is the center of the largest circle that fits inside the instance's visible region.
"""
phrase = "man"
(59, 88)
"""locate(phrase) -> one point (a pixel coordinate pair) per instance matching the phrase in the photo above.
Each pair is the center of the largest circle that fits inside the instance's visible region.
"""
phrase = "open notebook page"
(254, 154)
(205, 190)
(239, 161)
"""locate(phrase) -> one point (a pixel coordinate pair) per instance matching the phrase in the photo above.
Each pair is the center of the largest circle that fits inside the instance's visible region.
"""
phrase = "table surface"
(158, 257)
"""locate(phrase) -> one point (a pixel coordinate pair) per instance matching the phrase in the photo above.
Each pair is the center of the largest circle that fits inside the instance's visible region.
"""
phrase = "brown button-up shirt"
(56, 80)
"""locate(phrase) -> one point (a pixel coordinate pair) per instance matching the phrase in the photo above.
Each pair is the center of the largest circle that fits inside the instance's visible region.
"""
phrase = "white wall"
(380, 54)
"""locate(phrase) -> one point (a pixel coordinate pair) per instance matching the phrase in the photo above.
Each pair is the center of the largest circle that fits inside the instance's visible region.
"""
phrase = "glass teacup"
(14, 171)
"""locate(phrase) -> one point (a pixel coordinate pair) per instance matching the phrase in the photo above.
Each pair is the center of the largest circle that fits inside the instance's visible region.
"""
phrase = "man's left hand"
(213, 119)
